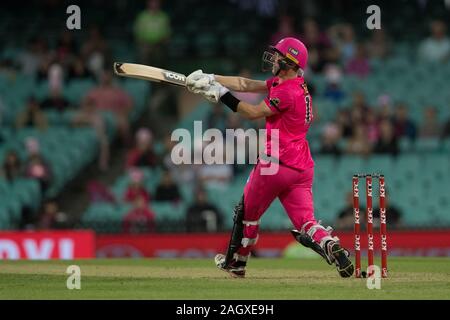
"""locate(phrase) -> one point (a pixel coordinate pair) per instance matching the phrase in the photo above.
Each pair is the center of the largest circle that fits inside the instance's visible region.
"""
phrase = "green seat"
(407, 165)
(350, 165)
(427, 145)
(77, 89)
(98, 212)
(4, 222)
(406, 145)
(169, 211)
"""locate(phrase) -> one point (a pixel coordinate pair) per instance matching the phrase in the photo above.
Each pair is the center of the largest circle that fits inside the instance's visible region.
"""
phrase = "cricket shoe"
(341, 258)
(236, 269)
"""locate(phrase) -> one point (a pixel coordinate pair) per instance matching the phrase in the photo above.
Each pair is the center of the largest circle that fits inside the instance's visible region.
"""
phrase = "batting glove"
(214, 92)
(198, 80)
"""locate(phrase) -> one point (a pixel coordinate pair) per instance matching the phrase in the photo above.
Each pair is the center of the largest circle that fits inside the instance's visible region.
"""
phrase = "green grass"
(409, 278)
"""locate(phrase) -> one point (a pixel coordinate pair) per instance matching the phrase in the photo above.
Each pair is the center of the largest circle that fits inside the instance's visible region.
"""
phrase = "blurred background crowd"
(80, 147)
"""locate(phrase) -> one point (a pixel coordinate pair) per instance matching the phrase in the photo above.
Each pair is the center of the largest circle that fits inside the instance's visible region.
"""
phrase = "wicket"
(369, 213)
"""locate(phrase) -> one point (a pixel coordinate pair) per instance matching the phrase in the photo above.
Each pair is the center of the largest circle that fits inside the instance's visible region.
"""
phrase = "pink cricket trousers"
(292, 187)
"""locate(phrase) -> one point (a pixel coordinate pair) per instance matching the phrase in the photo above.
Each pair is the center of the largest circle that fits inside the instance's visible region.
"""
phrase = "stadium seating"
(66, 149)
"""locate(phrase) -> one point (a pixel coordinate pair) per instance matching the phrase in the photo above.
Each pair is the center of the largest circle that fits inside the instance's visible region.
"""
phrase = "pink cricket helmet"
(294, 50)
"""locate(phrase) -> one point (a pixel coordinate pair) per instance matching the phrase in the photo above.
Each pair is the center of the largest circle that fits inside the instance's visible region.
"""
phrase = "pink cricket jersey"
(292, 105)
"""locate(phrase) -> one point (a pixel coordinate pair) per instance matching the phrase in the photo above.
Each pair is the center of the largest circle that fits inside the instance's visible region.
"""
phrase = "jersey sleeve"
(279, 101)
(269, 83)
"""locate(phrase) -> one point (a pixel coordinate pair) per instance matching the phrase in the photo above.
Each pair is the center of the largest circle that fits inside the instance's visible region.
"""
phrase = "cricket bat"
(140, 71)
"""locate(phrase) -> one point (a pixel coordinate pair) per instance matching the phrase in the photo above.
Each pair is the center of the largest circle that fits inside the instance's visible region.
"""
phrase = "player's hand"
(198, 80)
(214, 92)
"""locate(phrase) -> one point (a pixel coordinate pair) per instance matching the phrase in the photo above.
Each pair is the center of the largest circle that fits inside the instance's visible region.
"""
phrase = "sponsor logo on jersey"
(274, 102)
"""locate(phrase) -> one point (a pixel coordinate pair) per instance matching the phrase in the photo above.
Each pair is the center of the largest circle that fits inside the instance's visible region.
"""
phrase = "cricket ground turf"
(179, 279)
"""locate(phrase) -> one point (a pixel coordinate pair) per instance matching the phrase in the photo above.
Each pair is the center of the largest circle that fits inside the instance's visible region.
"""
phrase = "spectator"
(167, 190)
(183, 174)
(136, 188)
(12, 167)
(95, 51)
(385, 107)
(240, 146)
(403, 125)
(379, 45)
(32, 116)
(343, 120)
(330, 140)
(372, 125)
(98, 192)
(343, 37)
(430, 127)
(359, 102)
(44, 66)
(285, 29)
(8, 68)
(66, 48)
(388, 143)
(359, 64)
(55, 76)
(333, 89)
(143, 154)
(108, 97)
(55, 101)
(359, 142)
(446, 131)
(357, 117)
(89, 115)
(36, 167)
(318, 44)
(3, 108)
(33, 56)
(51, 217)
(203, 216)
(346, 220)
(393, 214)
(78, 70)
(152, 31)
(141, 219)
(167, 158)
(216, 175)
(437, 47)
(345, 217)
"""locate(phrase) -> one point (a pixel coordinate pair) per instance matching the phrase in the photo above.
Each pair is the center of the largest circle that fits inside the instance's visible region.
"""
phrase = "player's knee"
(312, 228)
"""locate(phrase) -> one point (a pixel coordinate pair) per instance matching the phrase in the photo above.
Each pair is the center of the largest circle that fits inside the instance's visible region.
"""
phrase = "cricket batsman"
(288, 113)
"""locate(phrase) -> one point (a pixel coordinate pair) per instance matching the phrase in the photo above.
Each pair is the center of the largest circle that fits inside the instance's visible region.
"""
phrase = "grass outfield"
(410, 278)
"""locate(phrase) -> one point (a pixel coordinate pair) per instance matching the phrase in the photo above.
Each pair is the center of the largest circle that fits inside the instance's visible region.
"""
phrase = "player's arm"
(265, 108)
(198, 80)
(241, 84)
(253, 112)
